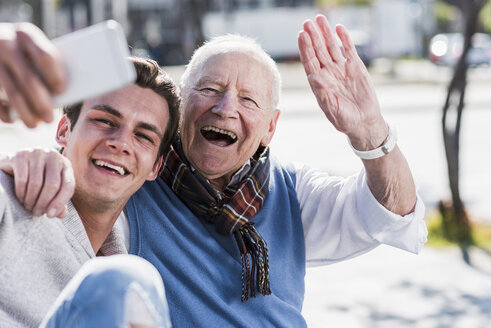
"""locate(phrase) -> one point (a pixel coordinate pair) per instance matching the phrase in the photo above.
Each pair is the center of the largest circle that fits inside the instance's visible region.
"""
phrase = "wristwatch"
(381, 151)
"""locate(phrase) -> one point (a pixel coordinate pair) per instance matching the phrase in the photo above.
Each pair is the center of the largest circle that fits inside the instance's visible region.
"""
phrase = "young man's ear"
(156, 169)
(63, 131)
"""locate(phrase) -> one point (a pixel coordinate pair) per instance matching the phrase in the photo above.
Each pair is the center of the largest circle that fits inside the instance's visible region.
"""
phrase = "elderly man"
(229, 228)
(237, 223)
(114, 143)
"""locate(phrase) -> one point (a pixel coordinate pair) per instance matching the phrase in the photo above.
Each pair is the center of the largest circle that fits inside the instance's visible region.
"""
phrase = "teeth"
(119, 169)
(215, 129)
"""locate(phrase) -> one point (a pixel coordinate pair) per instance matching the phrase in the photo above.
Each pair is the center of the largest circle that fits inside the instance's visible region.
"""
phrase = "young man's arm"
(44, 180)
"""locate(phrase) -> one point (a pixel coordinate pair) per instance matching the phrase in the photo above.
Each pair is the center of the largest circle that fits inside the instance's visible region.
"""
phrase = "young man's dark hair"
(148, 75)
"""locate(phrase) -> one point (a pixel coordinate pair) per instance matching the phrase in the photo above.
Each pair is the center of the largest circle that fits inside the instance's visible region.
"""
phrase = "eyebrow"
(208, 79)
(112, 111)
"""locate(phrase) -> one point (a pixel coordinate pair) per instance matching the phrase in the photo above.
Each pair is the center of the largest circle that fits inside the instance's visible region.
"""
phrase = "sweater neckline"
(114, 243)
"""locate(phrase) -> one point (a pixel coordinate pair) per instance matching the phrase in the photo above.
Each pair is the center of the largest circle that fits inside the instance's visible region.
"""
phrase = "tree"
(455, 219)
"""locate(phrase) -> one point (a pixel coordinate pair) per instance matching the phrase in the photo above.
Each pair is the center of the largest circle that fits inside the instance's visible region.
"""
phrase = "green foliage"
(445, 15)
(485, 17)
(442, 235)
(436, 237)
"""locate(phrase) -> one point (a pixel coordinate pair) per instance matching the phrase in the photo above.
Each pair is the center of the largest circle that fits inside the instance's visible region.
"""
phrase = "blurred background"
(430, 63)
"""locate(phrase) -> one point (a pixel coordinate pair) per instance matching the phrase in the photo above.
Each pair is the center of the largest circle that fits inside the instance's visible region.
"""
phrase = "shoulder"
(284, 171)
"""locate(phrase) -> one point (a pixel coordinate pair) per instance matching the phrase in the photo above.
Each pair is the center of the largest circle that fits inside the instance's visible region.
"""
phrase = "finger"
(317, 43)
(5, 112)
(329, 38)
(63, 213)
(307, 54)
(35, 183)
(36, 94)
(50, 188)
(20, 171)
(46, 58)
(347, 42)
(57, 207)
(17, 100)
(6, 164)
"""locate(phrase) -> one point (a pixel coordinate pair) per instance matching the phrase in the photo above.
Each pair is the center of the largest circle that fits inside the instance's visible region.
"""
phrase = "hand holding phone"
(96, 61)
(31, 69)
(85, 63)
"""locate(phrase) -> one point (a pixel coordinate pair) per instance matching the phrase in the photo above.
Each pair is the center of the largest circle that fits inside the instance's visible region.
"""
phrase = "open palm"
(340, 83)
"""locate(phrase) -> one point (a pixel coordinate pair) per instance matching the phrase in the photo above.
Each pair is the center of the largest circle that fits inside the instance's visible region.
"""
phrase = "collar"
(114, 243)
(237, 177)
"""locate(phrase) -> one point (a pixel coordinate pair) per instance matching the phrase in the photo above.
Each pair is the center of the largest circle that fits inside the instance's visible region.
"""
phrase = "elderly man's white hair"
(226, 44)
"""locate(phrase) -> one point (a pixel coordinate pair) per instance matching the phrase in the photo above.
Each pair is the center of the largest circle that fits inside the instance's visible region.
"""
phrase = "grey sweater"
(39, 256)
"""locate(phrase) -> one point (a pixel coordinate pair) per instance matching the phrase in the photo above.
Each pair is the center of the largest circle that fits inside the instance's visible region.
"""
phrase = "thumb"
(6, 164)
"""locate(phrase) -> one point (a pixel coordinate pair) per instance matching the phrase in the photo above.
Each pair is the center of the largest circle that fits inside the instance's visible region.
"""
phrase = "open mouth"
(110, 167)
(218, 136)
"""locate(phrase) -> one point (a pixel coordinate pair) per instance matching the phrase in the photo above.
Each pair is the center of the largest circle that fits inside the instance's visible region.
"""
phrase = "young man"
(114, 143)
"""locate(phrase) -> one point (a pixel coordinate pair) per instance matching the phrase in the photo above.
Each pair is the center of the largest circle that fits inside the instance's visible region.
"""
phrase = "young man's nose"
(120, 141)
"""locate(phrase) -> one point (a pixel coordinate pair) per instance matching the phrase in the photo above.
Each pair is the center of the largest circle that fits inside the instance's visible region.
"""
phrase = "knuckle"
(35, 184)
(69, 185)
(52, 187)
(38, 152)
(20, 179)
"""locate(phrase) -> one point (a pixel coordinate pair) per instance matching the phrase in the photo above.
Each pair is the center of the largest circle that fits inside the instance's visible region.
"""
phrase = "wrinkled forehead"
(226, 65)
(239, 70)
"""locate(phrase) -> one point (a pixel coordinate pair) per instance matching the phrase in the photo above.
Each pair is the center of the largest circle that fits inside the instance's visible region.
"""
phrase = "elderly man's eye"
(209, 90)
(250, 100)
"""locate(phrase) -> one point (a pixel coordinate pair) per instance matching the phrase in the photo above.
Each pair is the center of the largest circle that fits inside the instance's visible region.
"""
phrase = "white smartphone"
(96, 60)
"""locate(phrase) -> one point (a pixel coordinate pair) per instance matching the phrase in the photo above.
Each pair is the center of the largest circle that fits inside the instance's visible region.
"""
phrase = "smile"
(218, 136)
(111, 167)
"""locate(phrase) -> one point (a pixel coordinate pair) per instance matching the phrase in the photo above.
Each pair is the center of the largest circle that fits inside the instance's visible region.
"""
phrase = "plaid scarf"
(231, 211)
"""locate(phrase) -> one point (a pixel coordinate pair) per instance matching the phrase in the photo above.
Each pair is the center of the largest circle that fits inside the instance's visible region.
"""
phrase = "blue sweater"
(201, 269)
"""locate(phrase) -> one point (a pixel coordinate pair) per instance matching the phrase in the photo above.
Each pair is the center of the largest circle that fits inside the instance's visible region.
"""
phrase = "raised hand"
(44, 180)
(31, 70)
(341, 84)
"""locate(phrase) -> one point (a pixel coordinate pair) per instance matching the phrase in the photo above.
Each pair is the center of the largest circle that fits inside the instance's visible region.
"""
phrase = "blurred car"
(446, 49)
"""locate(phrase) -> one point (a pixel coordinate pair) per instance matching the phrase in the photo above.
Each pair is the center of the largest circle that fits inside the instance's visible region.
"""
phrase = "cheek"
(256, 126)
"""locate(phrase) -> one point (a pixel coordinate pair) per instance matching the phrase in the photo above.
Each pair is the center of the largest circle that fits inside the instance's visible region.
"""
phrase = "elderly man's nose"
(227, 106)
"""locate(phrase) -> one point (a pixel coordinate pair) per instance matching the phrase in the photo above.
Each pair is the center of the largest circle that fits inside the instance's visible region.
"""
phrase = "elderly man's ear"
(63, 131)
(272, 128)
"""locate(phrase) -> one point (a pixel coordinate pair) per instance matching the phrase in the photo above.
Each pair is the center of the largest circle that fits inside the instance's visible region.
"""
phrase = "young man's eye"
(145, 137)
(104, 121)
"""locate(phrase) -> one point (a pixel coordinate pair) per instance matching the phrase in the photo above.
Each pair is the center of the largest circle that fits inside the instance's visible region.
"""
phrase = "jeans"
(112, 291)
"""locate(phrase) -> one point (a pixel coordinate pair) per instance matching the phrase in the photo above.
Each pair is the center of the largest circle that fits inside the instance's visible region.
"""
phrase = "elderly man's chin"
(217, 161)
